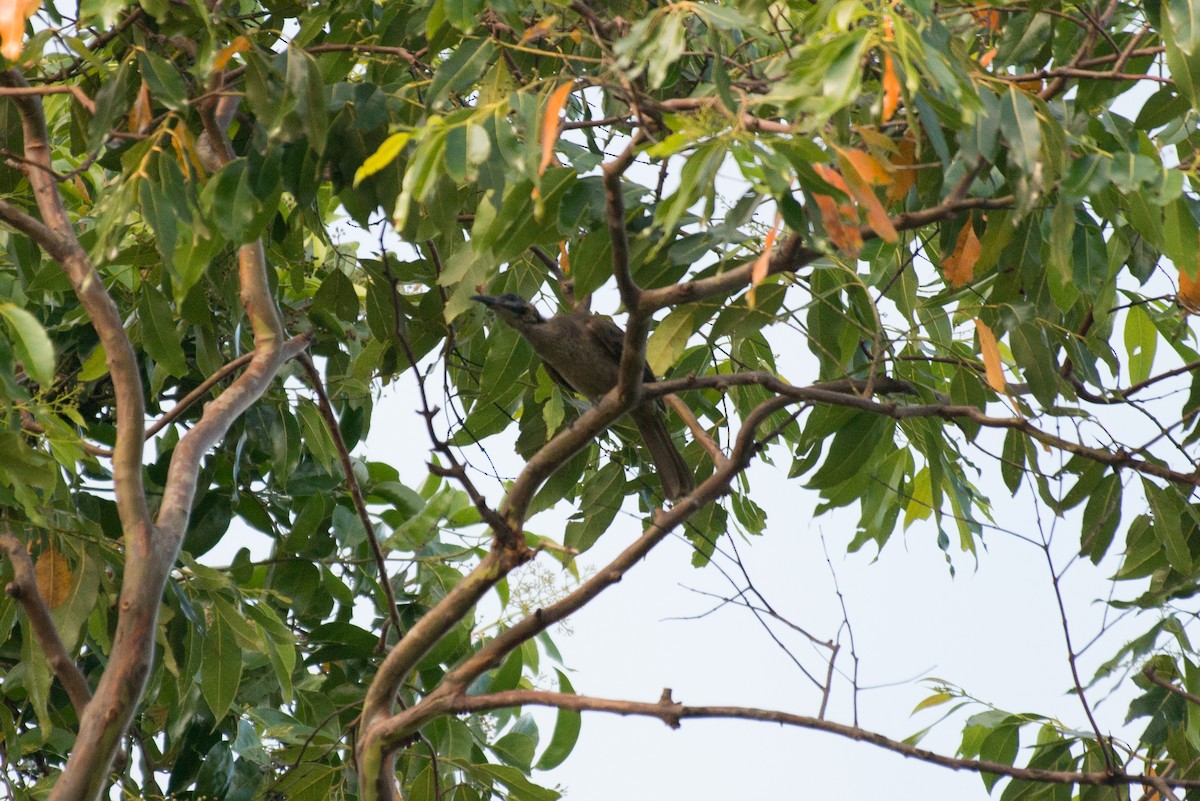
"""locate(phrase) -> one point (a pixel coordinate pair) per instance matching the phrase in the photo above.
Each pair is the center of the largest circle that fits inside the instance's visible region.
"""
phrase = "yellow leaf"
(549, 137)
(239, 45)
(53, 577)
(383, 156)
(759, 271)
(959, 266)
(891, 88)
(990, 351)
(937, 699)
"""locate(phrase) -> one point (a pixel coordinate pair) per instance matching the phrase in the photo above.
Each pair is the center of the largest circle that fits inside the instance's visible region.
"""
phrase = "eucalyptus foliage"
(919, 250)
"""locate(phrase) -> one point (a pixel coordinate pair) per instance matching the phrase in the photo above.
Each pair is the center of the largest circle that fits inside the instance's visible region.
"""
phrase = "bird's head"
(512, 309)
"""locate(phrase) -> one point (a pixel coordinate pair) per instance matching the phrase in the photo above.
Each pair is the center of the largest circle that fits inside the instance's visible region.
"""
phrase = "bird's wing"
(611, 339)
(557, 378)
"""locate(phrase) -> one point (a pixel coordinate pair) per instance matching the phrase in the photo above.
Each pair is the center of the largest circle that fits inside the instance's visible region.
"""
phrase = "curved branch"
(57, 237)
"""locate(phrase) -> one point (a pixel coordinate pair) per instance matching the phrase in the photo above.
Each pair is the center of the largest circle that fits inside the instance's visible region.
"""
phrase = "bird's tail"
(673, 472)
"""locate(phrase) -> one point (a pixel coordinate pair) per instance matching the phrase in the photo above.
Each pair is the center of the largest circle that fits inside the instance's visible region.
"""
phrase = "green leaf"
(1101, 518)
(463, 14)
(1169, 517)
(1012, 460)
(1019, 124)
(1141, 342)
(602, 494)
(1032, 353)
(222, 668)
(851, 449)
(461, 70)
(163, 79)
(307, 86)
(33, 345)
(229, 200)
(159, 335)
(566, 730)
(669, 339)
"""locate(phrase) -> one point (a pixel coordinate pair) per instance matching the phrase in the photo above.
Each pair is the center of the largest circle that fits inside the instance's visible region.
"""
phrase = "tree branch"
(64, 247)
(399, 727)
(672, 714)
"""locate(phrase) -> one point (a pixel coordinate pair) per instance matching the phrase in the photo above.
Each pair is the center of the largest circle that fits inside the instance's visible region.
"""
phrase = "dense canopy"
(920, 257)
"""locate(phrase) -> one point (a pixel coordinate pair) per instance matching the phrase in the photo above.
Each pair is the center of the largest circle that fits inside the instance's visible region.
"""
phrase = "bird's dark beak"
(486, 300)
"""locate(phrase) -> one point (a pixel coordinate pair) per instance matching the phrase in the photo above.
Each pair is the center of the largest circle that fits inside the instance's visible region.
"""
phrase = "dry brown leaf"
(140, 114)
(891, 88)
(959, 266)
(53, 577)
(993, 370)
(549, 137)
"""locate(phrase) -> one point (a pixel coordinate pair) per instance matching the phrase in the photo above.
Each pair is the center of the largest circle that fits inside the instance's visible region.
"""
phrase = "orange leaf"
(840, 221)
(891, 88)
(239, 45)
(759, 271)
(831, 177)
(1189, 293)
(904, 179)
(867, 166)
(986, 59)
(847, 238)
(53, 577)
(549, 137)
(993, 370)
(13, 14)
(987, 17)
(959, 266)
(861, 170)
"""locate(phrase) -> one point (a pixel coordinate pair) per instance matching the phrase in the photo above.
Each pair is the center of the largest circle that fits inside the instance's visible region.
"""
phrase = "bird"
(582, 353)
